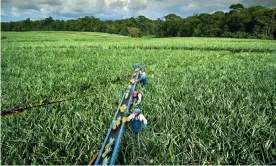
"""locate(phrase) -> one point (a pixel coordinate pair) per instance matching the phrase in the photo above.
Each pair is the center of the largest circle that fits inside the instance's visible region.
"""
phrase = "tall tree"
(236, 7)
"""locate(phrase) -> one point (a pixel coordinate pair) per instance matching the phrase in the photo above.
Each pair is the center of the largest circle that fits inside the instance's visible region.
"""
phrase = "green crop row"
(55, 40)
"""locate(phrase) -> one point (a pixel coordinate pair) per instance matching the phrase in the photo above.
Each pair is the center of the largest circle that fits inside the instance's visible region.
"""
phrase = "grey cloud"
(49, 2)
(5, 1)
(28, 6)
(137, 4)
(117, 4)
(19, 3)
(31, 4)
(80, 2)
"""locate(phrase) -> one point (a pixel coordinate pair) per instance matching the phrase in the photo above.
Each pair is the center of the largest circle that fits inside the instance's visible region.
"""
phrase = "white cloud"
(15, 12)
(126, 4)
(189, 7)
(44, 11)
(137, 4)
(3, 13)
(110, 3)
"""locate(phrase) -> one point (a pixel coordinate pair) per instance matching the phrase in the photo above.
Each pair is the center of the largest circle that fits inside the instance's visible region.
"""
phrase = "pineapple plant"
(207, 71)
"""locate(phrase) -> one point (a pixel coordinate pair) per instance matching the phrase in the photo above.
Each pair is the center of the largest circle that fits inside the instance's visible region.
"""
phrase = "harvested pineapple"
(114, 127)
(124, 119)
(107, 146)
(123, 108)
(106, 153)
(127, 94)
(118, 122)
(110, 143)
(132, 81)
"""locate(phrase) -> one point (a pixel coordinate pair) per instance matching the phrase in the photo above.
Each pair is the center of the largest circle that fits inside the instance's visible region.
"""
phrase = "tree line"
(239, 22)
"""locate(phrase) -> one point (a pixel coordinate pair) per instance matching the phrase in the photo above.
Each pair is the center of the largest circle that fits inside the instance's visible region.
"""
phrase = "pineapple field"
(208, 100)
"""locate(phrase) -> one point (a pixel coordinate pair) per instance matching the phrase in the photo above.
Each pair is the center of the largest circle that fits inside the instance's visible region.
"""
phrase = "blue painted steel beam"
(107, 136)
(118, 138)
(117, 143)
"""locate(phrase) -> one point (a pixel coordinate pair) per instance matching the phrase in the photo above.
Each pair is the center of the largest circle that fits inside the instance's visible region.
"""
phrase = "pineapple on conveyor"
(106, 152)
(123, 108)
(127, 94)
(118, 121)
(132, 81)
(125, 115)
(124, 119)
(110, 143)
(114, 127)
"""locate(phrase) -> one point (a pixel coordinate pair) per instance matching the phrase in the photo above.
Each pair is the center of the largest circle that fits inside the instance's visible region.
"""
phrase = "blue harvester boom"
(110, 147)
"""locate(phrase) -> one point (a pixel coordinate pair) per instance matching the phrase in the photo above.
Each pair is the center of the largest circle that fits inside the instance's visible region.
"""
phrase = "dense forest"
(239, 22)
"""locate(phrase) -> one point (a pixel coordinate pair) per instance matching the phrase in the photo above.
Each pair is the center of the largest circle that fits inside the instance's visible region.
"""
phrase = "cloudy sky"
(12, 10)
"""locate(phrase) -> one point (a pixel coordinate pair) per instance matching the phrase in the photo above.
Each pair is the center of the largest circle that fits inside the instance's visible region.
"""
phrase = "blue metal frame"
(107, 136)
(121, 94)
(118, 139)
(117, 144)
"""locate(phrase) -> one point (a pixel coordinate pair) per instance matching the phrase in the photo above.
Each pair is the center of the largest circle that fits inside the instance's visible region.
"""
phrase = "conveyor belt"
(110, 158)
